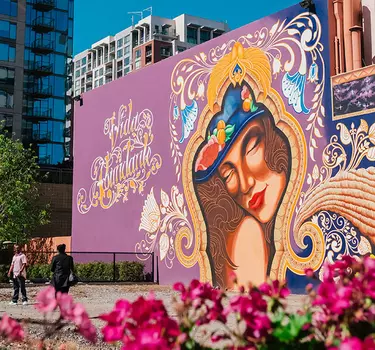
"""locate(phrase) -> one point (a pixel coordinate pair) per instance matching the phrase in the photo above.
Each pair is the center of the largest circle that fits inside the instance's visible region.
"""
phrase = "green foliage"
(126, 271)
(39, 271)
(20, 212)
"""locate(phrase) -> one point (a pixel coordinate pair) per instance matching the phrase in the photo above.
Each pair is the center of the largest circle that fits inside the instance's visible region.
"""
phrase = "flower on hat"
(248, 104)
(216, 143)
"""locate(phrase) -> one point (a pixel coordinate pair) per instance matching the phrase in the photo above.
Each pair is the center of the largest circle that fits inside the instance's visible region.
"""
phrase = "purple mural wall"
(216, 159)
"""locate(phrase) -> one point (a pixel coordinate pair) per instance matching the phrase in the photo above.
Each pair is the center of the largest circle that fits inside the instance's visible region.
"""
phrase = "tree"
(20, 209)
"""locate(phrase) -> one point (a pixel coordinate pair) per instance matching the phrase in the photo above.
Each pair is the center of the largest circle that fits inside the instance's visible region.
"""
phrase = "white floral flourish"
(169, 216)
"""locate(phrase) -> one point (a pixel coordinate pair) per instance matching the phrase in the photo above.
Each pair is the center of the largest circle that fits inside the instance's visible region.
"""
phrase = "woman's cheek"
(232, 185)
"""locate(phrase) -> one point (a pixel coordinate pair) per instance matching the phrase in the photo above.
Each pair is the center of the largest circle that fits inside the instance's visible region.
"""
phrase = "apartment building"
(36, 47)
(148, 41)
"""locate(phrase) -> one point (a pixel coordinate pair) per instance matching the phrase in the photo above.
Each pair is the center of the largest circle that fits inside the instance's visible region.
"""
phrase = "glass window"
(96, 84)
(7, 75)
(119, 74)
(127, 39)
(83, 71)
(119, 53)
(101, 71)
(96, 73)
(8, 7)
(138, 53)
(156, 29)
(137, 64)
(205, 36)
(127, 70)
(59, 108)
(78, 63)
(76, 93)
(61, 21)
(100, 81)
(78, 73)
(192, 35)
(77, 83)
(83, 61)
(127, 50)
(60, 66)
(62, 4)
(7, 52)
(6, 99)
(7, 29)
(71, 8)
(119, 42)
(126, 61)
(70, 28)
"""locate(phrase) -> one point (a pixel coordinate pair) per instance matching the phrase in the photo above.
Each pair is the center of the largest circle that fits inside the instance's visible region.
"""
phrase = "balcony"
(39, 113)
(148, 53)
(43, 25)
(67, 132)
(108, 71)
(44, 5)
(89, 80)
(40, 91)
(40, 68)
(43, 47)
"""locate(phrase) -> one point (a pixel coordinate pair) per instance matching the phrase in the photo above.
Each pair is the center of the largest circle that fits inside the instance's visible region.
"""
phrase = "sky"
(96, 19)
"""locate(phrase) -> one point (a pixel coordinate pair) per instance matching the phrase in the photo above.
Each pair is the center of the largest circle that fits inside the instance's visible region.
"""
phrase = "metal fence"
(56, 175)
(97, 267)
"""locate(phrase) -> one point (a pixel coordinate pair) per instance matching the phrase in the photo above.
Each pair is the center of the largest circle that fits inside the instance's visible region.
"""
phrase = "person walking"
(62, 266)
(18, 268)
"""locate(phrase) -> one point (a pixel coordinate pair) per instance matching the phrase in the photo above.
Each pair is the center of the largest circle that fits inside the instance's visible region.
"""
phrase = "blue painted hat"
(238, 109)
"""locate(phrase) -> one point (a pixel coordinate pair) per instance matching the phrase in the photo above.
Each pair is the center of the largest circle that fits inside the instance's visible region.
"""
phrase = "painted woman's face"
(247, 177)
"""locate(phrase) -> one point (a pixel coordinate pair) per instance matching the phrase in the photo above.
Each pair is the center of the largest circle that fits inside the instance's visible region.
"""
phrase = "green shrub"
(130, 271)
(127, 271)
(3, 273)
(39, 271)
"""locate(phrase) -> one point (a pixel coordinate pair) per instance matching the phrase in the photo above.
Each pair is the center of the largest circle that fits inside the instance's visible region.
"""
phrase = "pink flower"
(245, 93)
(11, 329)
(208, 154)
(112, 333)
(351, 344)
(309, 272)
(46, 300)
(87, 329)
(275, 289)
(66, 305)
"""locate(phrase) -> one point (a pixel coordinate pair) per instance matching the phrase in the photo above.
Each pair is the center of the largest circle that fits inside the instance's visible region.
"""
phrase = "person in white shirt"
(18, 268)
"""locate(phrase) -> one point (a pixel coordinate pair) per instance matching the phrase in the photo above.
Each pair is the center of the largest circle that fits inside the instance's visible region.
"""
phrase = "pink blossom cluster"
(355, 343)
(143, 324)
(345, 299)
(74, 312)
(10, 329)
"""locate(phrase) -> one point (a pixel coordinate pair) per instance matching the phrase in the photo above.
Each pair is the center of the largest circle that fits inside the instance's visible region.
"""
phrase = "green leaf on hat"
(253, 108)
(229, 129)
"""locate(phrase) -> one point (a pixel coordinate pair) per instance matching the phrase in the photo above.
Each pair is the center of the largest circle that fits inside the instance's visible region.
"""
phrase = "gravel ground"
(97, 299)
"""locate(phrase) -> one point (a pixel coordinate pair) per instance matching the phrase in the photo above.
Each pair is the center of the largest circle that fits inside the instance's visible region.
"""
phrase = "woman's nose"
(246, 181)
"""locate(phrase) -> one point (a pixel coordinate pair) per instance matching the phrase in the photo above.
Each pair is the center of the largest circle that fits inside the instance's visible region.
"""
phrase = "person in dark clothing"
(62, 265)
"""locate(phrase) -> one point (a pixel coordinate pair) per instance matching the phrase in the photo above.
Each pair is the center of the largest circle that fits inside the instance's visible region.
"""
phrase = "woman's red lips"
(257, 200)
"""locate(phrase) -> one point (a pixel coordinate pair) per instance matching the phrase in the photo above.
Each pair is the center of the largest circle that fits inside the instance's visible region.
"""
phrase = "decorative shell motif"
(150, 218)
(350, 194)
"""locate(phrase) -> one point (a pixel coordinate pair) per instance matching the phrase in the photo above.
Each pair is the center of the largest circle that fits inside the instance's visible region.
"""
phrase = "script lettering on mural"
(127, 165)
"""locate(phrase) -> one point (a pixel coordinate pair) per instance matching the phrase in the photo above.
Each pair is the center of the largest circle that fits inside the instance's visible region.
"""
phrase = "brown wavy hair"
(223, 215)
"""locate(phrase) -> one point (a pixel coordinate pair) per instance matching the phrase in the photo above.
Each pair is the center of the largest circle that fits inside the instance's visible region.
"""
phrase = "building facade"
(255, 149)
(150, 40)
(36, 43)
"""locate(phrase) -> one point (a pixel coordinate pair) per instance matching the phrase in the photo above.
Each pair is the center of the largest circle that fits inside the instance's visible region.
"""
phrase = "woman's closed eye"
(228, 175)
(253, 144)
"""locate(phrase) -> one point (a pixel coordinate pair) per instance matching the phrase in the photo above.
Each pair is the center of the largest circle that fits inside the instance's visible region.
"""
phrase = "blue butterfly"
(293, 87)
(188, 115)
